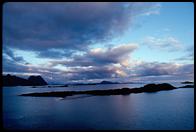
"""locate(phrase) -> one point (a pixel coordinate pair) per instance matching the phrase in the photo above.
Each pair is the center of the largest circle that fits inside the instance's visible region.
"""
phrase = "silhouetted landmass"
(123, 91)
(187, 82)
(103, 82)
(10, 80)
(131, 83)
(86, 84)
(108, 82)
(52, 86)
(187, 86)
(36, 81)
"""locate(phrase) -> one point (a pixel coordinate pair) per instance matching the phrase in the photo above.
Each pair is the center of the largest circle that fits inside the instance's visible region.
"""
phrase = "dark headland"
(122, 91)
(10, 80)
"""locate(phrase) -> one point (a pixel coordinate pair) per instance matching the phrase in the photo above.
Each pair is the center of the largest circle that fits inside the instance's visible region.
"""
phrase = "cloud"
(167, 43)
(186, 69)
(8, 53)
(155, 69)
(91, 73)
(52, 74)
(189, 55)
(155, 8)
(100, 57)
(10, 65)
(143, 70)
(64, 32)
(160, 69)
(94, 64)
(25, 70)
(66, 26)
(54, 53)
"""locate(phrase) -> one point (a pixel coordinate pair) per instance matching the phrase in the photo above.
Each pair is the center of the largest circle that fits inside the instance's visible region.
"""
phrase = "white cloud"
(154, 8)
(167, 43)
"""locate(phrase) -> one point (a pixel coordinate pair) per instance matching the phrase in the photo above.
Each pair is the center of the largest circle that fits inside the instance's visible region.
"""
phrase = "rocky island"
(108, 82)
(187, 82)
(187, 86)
(122, 91)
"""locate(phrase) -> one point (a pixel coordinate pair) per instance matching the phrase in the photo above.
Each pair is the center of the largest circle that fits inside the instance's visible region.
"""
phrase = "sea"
(163, 110)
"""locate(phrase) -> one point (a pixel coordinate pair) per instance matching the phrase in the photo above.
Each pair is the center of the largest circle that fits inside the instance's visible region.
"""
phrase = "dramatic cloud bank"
(64, 39)
(98, 57)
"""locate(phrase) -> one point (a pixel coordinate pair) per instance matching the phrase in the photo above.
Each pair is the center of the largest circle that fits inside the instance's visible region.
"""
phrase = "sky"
(73, 42)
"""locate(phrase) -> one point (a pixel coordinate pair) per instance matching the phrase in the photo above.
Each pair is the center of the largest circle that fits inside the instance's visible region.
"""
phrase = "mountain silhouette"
(9, 80)
(108, 82)
(36, 81)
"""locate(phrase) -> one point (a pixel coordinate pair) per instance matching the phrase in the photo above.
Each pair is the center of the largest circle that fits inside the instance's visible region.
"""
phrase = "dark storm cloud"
(67, 26)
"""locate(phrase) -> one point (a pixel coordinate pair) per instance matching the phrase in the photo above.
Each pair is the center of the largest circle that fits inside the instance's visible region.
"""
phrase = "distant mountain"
(187, 82)
(9, 80)
(85, 84)
(36, 81)
(187, 86)
(108, 82)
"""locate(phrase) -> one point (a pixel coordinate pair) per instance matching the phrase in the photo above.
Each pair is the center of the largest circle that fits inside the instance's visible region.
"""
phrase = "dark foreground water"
(172, 109)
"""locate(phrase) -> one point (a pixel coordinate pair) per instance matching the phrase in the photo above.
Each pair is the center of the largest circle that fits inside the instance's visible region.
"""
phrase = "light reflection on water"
(172, 109)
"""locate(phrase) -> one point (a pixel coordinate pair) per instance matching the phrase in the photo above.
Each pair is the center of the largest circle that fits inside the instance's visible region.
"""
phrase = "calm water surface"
(172, 109)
